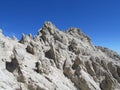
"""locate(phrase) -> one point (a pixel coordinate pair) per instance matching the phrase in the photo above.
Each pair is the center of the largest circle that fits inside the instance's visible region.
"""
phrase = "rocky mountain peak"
(49, 25)
(76, 32)
(56, 60)
(47, 28)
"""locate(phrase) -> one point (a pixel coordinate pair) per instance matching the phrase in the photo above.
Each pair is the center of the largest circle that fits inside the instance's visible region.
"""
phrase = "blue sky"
(100, 19)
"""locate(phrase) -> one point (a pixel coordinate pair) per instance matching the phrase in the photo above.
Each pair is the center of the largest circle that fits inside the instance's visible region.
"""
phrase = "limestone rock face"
(56, 60)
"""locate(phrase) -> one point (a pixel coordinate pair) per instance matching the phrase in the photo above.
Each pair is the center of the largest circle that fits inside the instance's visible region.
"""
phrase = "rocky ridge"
(56, 60)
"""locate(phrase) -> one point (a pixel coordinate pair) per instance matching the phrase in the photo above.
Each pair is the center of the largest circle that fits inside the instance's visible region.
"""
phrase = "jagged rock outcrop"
(56, 60)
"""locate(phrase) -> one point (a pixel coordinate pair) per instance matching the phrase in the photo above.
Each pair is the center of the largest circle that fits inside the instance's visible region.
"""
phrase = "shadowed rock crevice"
(14, 68)
(50, 54)
(11, 66)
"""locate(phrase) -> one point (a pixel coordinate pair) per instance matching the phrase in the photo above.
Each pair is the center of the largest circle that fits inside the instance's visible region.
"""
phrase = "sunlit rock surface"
(56, 60)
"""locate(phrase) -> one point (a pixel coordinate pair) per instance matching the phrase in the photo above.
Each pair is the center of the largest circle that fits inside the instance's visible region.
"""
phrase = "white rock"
(54, 60)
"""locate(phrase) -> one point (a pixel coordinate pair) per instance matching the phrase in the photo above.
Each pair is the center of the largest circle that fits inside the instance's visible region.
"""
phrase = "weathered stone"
(54, 60)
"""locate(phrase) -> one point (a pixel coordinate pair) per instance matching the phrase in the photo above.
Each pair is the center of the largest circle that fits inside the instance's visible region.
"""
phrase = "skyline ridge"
(13, 35)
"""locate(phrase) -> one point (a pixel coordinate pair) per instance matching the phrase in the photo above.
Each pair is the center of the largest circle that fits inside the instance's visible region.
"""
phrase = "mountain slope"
(56, 60)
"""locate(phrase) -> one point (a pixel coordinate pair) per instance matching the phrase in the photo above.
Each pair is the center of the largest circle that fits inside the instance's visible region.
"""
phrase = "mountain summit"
(56, 60)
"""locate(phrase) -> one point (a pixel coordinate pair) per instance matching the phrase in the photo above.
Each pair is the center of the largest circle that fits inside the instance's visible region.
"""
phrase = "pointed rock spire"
(48, 28)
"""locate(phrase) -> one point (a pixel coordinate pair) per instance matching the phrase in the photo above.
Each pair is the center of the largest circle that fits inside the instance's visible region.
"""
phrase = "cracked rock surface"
(56, 60)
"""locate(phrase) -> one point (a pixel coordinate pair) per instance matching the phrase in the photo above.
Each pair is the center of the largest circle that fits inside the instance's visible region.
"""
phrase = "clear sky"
(100, 19)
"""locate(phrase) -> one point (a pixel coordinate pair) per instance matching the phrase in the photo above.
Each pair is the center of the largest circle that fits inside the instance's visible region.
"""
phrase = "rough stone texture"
(56, 60)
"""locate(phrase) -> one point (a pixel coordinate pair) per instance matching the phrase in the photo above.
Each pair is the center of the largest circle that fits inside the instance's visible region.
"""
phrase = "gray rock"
(56, 60)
